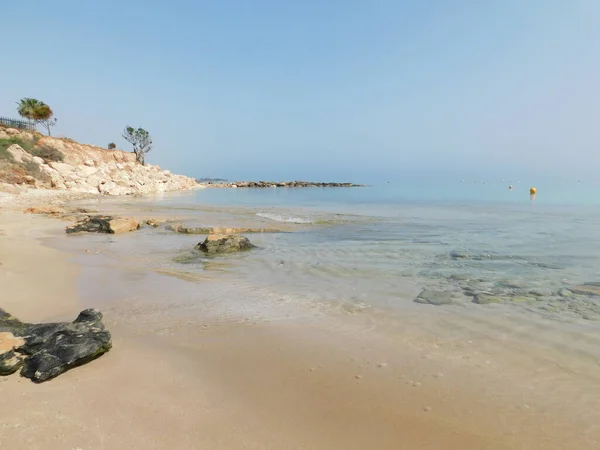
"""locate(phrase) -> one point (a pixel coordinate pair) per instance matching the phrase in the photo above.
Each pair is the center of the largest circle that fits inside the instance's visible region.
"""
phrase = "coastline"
(200, 379)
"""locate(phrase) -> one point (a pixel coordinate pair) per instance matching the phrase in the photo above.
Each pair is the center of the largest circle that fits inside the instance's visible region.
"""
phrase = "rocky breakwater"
(67, 165)
(275, 184)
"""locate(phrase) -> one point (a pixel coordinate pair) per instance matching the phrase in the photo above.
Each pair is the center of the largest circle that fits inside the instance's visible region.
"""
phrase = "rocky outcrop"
(44, 351)
(104, 224)
(223, 243)
(93, 170)
(274, 184)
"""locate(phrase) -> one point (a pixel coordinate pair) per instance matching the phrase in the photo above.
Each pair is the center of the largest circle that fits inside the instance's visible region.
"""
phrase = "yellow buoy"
(532, 191)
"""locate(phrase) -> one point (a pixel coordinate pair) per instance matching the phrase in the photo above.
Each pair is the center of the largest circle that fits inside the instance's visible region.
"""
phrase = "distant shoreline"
(273, 184)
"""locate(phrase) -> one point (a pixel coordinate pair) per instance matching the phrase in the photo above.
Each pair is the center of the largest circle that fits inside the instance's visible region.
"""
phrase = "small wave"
(280, 218)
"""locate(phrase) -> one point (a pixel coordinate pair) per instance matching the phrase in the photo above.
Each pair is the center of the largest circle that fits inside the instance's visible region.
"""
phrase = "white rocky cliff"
(89, 169)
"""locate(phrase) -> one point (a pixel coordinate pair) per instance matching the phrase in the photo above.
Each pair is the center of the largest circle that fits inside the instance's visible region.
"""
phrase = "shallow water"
(373, 247)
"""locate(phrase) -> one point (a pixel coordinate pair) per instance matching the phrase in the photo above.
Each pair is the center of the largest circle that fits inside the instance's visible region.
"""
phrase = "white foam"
(280, 218)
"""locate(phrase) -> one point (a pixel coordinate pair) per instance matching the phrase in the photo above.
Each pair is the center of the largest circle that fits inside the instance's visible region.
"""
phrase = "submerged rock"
(564, 293)
(104, 224)
(523, 299)
(486, 299)
(436, 298)
(225, 243)
(48, 349)
(586, 289)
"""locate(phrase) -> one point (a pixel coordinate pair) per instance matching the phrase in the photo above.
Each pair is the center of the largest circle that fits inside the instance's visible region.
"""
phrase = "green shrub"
(25, 145)
(4, 155)
(47, 153)
(44, 152)
(5, 143)
(34, 170)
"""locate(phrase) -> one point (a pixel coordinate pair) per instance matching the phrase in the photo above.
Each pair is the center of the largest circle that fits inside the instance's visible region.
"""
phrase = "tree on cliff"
(37, 111)
(141, 141)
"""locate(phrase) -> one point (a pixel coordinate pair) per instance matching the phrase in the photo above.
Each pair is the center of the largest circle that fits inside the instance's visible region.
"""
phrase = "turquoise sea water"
(379, 246)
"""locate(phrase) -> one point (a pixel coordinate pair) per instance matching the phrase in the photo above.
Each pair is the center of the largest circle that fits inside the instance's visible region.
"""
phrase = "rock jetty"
(275, 184)
(44, 351)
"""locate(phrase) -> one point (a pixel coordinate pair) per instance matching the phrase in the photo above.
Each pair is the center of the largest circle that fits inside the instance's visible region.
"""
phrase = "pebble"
(312, 369)
(438, 375)
(382, 365)
(427, 408)
(417, 384)
(358, 377)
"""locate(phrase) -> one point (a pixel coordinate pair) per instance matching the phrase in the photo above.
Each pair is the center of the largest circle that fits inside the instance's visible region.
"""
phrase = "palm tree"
(28, 107)
(37, 111)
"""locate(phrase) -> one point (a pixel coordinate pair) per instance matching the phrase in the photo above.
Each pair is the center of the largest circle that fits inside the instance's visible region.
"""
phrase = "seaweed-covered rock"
(224, 243)
(104, 224)
(486, 299)
(436, 298)
(49, 349)
(9, 360)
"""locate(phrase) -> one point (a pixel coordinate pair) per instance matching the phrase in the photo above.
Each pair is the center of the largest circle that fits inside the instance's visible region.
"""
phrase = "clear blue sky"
(319, 89)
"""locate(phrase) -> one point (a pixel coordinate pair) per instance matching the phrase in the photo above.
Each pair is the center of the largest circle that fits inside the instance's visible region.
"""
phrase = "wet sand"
(436, 381)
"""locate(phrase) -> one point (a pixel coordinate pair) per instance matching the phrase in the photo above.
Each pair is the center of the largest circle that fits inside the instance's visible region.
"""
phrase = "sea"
(376, 247)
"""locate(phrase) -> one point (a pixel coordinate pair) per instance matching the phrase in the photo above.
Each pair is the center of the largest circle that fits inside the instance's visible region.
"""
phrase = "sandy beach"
(234, 383)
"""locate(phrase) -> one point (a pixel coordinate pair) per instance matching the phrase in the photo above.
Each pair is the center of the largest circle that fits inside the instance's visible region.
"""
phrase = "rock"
(538, 292)
(89, 162)
(61, 168)
(10, 361)
(49, 349)
(485, 299)
(459, 277)
(459, 255)
(85, 171)
(39, 161)
(564, 293)
(29, 180)
(111, 188)
(18, 154)
(104, 224)
(586, 289)
(510, 284)
(436, 298)
(522, 299)
(53, 211)
(224, 243)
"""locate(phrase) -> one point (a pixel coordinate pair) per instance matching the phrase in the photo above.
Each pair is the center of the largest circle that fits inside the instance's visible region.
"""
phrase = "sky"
(328, 90)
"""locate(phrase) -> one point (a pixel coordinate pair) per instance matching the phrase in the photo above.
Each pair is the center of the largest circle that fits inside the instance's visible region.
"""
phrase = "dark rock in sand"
(104, 224)
(10, 362)
(436, 298)
(225, 243)
(50, 349)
